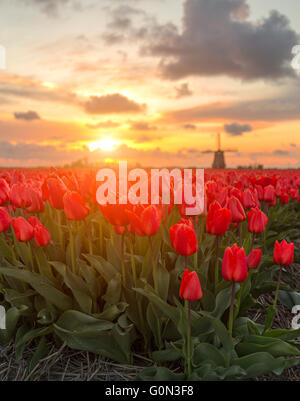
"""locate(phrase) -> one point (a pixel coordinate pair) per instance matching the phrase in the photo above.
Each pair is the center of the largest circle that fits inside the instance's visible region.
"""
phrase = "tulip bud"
(234, 266)
(237, 211)
(283, 253)
(145, 220)
(41, 235)
(190, 288)
(115, 214)
(55, 190)
(254, 259)
(248, 199)
(284, 198)
(4, 192)
(120, 230)
(23, 229)
(257, 221)
(218, 219)
(74, 206)
(34, 221)
(5, 219)
(269, 194)
(183, 238)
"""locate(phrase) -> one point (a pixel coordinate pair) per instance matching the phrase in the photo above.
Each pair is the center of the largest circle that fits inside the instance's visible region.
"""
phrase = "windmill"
(219, 160)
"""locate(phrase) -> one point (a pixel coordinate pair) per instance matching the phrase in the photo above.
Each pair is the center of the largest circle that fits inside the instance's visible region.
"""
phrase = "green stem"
(31, 256)
(253, 241)
(196, 253)
(189, 338)
(123, 260)
(60, 233)
(240, 234)
(154, 266)
(217, 262)
(100, 238)
(230, 323)
(88, 233)
(277, 288)
(133, 267)
(72, 247)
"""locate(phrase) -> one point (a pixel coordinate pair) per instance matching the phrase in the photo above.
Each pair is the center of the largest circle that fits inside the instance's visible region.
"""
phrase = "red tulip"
(283, 253)
(120, 230)
(237, 211)
(115, 214)
(248, 199)
(190, 288)
(74, 206)
(23, 230)
(257, 221)
(4, 192)
(183, 238)
(35, 200)
(41, 235)
(55, 191)
(294, 193)
(254, 259)
(235, 264)
(145, 220)
(34, 221)
(16, 195)
(5, 219)
(269, 194)
(218, 219)
(284, 198)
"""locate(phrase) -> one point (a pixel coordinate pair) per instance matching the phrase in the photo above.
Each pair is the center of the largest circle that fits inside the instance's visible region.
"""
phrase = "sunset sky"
(149, 81)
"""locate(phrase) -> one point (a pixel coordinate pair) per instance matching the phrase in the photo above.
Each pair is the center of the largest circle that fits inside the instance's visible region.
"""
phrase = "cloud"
(112, 103)
(183, 91)
(282, 107)
(190, 126)
(111, 38)
(279, 152)
(27, 116)
(31, 151)
(236, 129)
(103, 124)
(18, 86)
(218, 39)
(52, 7)
(142, 126)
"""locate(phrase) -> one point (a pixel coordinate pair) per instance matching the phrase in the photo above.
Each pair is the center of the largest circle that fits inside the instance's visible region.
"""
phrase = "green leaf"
(86, 333)
(76, 284)
(159, 374)
(26, 338)
(205, 352)
(274, 346)
(223, 301)
(41, 352)
(13, 316)
(289, 299)
(104, 268)
(42, 285)
(262, 363)
(170, 354)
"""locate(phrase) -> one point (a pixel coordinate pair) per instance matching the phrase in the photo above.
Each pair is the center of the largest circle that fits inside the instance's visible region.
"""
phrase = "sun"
(106, 144)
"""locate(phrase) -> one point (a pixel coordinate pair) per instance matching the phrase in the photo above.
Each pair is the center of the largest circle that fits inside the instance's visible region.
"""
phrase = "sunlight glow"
(106, 144)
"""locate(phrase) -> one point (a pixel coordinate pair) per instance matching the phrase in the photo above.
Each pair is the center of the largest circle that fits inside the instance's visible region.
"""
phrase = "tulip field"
(121, 281)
